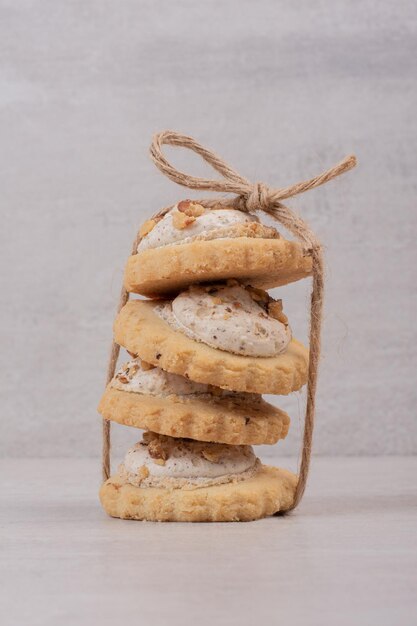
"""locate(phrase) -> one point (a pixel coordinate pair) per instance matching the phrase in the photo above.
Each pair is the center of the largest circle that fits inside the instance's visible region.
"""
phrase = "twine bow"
(251, 197)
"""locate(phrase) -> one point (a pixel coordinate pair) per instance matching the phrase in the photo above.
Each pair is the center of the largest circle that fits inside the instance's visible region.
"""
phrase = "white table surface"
(347, 556)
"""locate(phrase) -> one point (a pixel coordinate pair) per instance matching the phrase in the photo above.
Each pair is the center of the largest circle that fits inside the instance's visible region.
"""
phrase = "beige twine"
(250, 197)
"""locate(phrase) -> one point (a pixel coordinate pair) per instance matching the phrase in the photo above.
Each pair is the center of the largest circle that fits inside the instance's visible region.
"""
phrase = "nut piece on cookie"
(181, 220)
(143, 472)
(127, 372)
(190, 208)
(132, 369)
(156, 448)
(259, 295)
(275, 311)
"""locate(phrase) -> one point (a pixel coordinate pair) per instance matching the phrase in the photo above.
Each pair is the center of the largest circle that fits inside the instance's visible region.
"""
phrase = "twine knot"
(259, 198)
(250, 197)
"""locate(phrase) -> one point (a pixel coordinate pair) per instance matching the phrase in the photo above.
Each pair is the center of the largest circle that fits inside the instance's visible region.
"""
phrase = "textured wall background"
(280, 89)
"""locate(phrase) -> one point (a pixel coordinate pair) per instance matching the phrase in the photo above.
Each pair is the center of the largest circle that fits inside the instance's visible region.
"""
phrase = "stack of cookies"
(203, 347)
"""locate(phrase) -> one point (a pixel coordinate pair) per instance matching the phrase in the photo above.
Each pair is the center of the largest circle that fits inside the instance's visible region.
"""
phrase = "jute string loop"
(251, 197)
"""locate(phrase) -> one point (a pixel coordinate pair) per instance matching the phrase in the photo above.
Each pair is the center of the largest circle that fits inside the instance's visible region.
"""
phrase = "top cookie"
(191, 244)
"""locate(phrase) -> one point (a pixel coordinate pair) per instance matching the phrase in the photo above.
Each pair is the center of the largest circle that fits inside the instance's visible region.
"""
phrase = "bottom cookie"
(271, 490)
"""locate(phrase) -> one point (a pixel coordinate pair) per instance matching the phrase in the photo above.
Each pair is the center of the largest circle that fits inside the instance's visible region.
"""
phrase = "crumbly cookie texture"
(143, 333)
(257, 261)
(221, 419)
(269, 491)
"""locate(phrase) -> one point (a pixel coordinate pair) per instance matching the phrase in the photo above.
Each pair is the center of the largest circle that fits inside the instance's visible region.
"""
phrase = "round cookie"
(141, 331)
(271, 490)
(221, 419)
(264, 263)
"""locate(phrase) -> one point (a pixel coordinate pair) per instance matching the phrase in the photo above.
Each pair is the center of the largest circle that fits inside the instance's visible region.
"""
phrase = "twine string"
(251, 197)
(111, 368)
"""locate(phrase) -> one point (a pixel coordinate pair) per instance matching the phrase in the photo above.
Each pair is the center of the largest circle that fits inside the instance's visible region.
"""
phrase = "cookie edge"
(169, 269)
(196, 419)
(281, 375)
(270, 491)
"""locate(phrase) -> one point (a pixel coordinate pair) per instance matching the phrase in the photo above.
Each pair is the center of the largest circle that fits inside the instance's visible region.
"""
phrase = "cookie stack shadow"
(200, 403)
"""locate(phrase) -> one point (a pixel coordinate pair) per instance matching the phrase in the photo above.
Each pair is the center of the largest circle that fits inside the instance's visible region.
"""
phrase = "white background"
(282, 90)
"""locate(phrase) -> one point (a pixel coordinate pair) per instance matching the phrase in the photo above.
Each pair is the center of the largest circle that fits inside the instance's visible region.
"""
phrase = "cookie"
(219, 419)
(142, 332)
(271, 490)
(262, 263)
